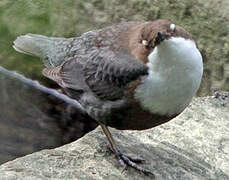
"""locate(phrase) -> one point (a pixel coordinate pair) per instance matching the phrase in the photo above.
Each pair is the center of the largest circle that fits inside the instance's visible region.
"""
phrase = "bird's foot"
(126, 160)
(134, 159)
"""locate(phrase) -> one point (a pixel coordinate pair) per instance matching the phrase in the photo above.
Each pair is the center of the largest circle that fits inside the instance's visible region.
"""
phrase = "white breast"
(175, 71)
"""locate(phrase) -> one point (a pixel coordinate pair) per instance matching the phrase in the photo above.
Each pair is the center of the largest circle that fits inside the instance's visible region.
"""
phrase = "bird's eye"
(172, 27)
(145, 42)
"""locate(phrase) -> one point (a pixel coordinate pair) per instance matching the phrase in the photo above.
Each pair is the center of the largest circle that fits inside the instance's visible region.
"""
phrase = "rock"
(192, 146)
(207, 20)
(31, 120)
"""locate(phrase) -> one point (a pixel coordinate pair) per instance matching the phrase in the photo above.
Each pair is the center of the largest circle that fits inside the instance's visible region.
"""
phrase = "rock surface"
(31, 120)
(193, 146)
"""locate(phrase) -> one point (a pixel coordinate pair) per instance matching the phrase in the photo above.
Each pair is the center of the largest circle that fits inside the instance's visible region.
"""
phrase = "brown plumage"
(102, 69)
(117, 57)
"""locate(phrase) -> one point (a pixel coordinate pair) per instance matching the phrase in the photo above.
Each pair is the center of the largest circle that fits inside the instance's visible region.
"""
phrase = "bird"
(132, 75)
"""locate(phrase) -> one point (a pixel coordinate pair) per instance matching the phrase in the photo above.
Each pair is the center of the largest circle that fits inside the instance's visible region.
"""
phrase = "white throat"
(175, 72)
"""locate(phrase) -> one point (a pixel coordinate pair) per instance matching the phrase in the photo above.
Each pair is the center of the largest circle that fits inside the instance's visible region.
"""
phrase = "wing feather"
(105, 74)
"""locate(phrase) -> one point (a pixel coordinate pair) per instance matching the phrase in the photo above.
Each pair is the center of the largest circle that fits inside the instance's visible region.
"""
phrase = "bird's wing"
(105, 73)
(69, 75)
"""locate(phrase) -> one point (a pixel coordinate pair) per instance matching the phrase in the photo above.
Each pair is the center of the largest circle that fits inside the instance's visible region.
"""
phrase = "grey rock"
(194, 146)
(31, 120)
(206, 20)
(26, 125)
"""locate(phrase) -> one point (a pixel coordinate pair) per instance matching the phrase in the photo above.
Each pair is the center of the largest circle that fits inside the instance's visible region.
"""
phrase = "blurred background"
(31, 120)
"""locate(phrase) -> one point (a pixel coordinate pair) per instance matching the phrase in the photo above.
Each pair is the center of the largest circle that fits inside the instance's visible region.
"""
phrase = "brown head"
(144, 37)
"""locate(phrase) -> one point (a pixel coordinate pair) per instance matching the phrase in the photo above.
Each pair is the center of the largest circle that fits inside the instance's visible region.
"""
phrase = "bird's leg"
(124, 159)
(112, 146)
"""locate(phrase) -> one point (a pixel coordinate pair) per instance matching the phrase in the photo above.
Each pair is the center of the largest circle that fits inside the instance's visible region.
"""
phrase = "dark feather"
(105, 74)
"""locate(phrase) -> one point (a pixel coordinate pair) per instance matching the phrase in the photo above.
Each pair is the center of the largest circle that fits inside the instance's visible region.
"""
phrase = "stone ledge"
(192, 146)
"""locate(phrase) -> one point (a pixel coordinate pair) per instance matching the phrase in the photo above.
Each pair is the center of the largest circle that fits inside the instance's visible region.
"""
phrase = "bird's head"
(174, 67)
(166, 45)
(154, 33)
(145, 37)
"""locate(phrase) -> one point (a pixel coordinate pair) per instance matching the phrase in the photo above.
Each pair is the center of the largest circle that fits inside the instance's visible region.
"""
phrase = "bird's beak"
(160, 37)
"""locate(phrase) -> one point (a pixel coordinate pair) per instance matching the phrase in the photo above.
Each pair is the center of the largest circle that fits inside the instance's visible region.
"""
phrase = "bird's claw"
(126, 161)
(136, 159)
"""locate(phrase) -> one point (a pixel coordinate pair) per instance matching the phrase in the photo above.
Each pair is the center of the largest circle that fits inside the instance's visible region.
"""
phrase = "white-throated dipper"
(133, 75)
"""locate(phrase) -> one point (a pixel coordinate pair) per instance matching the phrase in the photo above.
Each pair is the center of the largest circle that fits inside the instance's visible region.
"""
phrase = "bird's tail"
(52, 50)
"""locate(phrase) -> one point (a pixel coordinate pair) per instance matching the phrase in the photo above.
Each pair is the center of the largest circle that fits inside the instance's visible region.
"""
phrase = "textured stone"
(31, 120)
(207, 20)
(194, 146)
